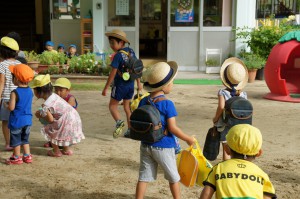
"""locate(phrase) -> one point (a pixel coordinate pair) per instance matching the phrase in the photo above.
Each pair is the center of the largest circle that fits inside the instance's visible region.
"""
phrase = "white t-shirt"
(8, 84)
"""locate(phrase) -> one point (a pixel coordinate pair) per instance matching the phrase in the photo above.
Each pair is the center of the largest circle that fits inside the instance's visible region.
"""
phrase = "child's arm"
(72, 101)
(12, 102)
(139, 85)
(2, 82)
(172, 127)
(49, 117)
(109, 80)
(219, 112)
(207, 193)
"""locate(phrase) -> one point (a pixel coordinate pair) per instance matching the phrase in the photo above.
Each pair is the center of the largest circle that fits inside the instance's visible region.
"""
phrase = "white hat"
(159, 75)
(234, 73)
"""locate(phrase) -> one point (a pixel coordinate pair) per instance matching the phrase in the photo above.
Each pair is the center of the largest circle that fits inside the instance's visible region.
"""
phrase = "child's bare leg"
(175, 190)
(225, 155)
(17, 150)
(26, 149)
(5, 131)
(55, 148)
(140, 189)
(126, 105)
(113, 108)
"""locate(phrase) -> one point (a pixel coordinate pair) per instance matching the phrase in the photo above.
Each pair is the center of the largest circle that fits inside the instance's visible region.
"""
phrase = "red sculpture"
(282, 70)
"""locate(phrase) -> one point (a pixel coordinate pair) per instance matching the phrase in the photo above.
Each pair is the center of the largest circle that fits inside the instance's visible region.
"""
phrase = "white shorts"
(151, 157)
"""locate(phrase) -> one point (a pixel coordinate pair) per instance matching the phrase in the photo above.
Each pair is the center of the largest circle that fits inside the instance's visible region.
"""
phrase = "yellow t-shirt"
(240, 179)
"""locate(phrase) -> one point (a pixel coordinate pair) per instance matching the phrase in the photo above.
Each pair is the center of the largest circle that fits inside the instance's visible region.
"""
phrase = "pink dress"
(66, 129)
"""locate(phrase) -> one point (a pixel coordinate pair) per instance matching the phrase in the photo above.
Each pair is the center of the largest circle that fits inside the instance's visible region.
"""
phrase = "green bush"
(263, 38)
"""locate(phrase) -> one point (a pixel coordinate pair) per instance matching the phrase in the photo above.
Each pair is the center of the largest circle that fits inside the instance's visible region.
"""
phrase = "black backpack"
(238, 110)
(145, 123)
(131, 65)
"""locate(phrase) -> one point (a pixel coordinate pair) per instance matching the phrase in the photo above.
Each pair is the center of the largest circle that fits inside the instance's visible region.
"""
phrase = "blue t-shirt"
(118, 63)
(167, 110)
(21, 116)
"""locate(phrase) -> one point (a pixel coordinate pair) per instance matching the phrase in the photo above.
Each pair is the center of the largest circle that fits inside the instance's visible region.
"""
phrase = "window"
(66, 9)
(184, 13)
(217, 12)
(121, 12)
(278, 8)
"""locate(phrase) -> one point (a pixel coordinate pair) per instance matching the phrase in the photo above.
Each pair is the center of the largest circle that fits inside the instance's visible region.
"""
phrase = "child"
(61, 48)
(62, 88)
(239, 177)
(234, 76)
(72, 51)
(158, 80)
(64, 126)
(20, 119)
(50, 47)
(122, 89)
(8, 51)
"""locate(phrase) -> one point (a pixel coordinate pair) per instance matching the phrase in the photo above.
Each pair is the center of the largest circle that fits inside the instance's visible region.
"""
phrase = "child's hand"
(6, 104)
(190, 141)
(104, 92)
(37, 114)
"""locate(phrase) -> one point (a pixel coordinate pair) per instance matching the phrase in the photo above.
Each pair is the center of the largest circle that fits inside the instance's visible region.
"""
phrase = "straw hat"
(159, 75)
(62, 82)
(118, 34)
(10, 43)
(244, 139)
(22, 72)
(233, 72)
(40, 80)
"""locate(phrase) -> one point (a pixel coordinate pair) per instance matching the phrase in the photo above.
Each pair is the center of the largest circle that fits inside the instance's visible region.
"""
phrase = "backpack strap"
(128, 54)
(155, 100)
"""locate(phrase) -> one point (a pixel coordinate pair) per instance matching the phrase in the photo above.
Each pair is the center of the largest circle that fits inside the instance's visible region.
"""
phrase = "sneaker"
(127, 133)
(27, 159)
(119, 128)
(14, 160)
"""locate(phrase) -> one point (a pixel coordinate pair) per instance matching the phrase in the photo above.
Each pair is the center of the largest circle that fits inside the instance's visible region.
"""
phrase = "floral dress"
(66, 129)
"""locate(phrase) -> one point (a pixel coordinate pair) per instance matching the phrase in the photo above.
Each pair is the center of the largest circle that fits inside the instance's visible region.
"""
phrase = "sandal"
(53, 154)
(47, 145)
(69, 152)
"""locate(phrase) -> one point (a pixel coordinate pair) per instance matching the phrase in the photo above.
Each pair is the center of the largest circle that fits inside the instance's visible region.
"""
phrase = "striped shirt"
(8, 84)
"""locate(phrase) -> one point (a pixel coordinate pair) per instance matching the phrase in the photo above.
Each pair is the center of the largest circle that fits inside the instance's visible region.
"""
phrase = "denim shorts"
(122, 92)
(151, 157)
(19, 136)
(4, 112)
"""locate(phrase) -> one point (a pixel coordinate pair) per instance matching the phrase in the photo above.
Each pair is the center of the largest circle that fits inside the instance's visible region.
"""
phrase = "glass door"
(153, 29)
(122, 14)
(65, 22)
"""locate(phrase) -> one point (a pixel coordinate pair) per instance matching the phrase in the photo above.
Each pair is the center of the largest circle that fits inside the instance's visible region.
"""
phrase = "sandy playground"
(103, 167)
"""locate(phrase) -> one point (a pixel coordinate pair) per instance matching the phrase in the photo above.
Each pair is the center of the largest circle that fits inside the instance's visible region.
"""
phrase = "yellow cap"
(10, 43)
(62, 82)
(40, 80)
(244, 139)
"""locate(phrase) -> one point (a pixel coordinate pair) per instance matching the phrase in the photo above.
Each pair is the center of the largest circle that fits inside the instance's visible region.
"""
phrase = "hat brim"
(110, 34)
(61, 85)
(174, 66)
(226, 63)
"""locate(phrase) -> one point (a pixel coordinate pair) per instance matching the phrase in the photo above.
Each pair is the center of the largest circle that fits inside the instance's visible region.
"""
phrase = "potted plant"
(32, 59)
(253, 62)
(265, 35)
(212, 66)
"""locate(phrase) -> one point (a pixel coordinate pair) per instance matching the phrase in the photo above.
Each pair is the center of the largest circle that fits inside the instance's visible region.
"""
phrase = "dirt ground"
(103, 167)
